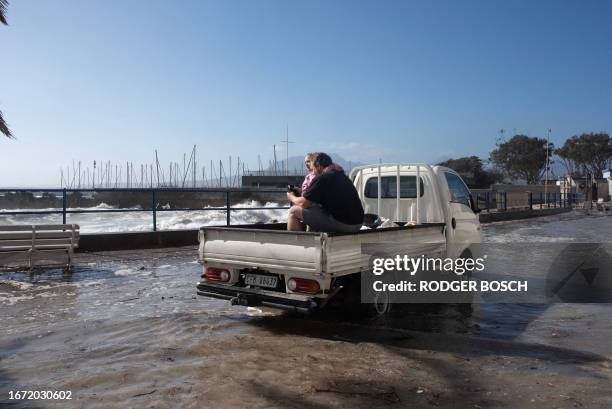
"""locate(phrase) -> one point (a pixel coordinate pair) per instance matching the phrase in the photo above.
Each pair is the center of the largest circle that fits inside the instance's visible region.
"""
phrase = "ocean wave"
(142, 221)
(101, 206)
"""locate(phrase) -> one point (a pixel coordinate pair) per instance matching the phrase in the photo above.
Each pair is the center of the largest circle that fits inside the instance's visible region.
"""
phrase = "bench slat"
(39, 235)
(25, 249)
(37, 242)
(56, 227)
(11, 255)
(39, 227)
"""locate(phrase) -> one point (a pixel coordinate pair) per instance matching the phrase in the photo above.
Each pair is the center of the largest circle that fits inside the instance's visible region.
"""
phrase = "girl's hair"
(311, 155)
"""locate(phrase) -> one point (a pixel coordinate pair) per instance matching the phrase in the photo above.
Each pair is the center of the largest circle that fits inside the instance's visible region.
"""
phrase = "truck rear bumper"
(254, 297)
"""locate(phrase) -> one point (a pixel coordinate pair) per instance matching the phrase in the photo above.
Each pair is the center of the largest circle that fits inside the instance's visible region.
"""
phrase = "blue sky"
(395, 80)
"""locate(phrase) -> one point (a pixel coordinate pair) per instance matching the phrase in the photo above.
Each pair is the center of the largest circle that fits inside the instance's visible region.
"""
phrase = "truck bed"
(272, 248)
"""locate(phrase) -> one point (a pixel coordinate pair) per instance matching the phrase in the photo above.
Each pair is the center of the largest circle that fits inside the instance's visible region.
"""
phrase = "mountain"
(296, 164)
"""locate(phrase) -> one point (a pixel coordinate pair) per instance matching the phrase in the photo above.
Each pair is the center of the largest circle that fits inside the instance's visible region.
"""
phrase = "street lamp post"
(546, 170)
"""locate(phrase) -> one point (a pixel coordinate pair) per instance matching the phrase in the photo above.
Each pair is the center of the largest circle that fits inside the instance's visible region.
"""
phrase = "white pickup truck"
(264, 264)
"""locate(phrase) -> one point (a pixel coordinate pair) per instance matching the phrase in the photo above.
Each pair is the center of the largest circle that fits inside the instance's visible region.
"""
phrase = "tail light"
(303, 285)
(216, 274)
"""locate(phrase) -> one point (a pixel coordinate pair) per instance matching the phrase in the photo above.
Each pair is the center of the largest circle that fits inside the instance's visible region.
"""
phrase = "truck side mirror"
(473, 205)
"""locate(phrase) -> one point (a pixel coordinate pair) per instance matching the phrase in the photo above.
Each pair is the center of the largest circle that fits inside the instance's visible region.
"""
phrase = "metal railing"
(498, 200)
(154, 209)
(551, 199)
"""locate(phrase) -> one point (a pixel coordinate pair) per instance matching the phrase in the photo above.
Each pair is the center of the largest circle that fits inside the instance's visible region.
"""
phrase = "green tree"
(522, 157)
(4, 129)
(567, 154)
(587, 153)
(471, 170)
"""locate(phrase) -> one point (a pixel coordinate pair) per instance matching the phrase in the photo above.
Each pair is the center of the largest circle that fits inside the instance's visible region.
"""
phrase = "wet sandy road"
(125, 329)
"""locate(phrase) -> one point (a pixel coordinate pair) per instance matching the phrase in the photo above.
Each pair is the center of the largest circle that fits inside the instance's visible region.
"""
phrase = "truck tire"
(381, 306)
(464, 307)
(382, 301)
(354, 306)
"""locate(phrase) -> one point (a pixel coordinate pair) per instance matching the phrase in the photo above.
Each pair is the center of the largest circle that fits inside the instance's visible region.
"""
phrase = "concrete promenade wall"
(517, 214)
(137, 240)
(177, 238)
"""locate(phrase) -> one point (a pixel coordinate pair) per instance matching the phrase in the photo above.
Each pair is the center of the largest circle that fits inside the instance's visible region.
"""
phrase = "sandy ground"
(281, 361)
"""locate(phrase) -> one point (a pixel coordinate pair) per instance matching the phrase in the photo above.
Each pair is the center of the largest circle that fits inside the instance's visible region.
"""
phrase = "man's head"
(321, 161)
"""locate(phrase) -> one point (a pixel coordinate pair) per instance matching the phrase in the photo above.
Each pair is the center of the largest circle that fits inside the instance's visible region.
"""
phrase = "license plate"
(261, 281)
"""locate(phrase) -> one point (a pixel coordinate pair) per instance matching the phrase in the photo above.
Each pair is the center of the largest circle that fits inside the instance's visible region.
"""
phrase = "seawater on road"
(125, 329)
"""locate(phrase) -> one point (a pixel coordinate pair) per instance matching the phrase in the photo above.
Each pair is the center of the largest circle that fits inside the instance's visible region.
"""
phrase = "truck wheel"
(380, 307)
(358, 310)
(464, 307)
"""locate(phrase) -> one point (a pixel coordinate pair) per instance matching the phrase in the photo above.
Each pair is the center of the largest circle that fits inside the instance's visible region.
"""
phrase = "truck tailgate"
(271, 250)
(324, 254)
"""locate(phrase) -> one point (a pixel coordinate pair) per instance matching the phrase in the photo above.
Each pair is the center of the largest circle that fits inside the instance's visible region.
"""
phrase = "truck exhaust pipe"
(239, 301)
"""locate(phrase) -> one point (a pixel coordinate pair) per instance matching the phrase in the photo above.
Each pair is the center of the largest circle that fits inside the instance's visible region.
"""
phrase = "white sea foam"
(22, 286)
(142, 221)
(164, 266)
(89, 283)
(103, 206)
(16, 285)
(12, 299)
(130, 272)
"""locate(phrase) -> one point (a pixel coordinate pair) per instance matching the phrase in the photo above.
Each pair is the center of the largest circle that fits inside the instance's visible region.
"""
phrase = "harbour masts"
(546, 170)
(104, 174)
(188, 167)
(286, 142)
(194, 166)
(157, 166)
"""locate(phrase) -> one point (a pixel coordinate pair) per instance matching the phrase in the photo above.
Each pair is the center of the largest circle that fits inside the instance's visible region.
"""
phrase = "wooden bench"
(38, 245)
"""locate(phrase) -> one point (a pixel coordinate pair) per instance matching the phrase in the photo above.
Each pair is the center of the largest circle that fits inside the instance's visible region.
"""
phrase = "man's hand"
(291, 197)
(298, 200)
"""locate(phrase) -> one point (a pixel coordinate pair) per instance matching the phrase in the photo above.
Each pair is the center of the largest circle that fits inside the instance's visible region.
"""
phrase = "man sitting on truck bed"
(331, 203)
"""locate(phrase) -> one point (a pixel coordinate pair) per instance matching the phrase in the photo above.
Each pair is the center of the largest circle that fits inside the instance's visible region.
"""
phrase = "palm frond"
(4, 129)
(3, 5)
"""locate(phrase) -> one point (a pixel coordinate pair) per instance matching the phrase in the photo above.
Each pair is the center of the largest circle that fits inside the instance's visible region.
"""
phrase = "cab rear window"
(389, 187)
